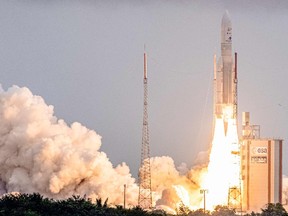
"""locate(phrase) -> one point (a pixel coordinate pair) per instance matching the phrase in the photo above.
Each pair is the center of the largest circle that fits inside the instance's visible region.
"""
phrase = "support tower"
(145, 195)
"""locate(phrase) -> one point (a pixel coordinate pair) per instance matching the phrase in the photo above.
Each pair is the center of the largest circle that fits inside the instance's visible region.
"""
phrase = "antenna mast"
(145, 195)
(234, 193)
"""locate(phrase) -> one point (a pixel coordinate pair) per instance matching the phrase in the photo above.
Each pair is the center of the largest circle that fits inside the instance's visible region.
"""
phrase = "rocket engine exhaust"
(224, 163)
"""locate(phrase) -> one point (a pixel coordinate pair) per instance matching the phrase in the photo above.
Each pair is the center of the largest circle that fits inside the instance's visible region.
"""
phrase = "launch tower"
(145, 195)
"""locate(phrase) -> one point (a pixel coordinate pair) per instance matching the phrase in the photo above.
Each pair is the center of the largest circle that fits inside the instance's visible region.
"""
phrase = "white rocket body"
(225, 150)
(225, 76)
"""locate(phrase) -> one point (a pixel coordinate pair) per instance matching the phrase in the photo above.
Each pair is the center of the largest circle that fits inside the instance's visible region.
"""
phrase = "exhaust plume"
(167, 181)
(40, 153)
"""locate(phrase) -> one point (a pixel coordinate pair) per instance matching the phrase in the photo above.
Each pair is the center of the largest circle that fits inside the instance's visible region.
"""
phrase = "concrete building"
(261, 162)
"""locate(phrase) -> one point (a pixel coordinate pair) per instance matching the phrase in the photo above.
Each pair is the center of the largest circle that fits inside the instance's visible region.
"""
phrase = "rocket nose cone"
(226, 21)
(226, 28)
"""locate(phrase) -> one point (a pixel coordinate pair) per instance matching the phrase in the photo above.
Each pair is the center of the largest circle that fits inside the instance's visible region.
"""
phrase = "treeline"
(270, 209)
(36, 205)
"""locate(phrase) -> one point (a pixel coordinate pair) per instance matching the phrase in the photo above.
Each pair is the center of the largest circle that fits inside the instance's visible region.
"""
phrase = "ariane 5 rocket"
(225, 75)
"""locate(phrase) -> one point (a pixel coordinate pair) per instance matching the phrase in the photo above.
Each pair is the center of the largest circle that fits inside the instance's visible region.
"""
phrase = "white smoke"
(165, 176)
(40, 153)
(285, 192)
(202, 157)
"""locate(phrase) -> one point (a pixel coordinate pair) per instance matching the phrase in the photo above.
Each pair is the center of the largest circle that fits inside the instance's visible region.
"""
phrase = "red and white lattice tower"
(145, 195)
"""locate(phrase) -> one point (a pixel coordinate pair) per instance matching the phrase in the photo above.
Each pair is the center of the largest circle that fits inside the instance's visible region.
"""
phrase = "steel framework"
(234, 193)
(145, 194)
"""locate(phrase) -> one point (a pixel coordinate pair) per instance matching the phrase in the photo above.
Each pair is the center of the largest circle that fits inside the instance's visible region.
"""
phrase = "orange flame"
(183, 195)
(224, 167)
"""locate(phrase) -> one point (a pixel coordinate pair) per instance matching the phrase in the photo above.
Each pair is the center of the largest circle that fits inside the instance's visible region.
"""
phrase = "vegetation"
(270, 209)
(36, 205)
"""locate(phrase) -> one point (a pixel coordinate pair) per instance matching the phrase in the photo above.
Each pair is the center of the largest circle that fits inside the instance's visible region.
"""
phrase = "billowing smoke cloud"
(40, 153)
(165, 177)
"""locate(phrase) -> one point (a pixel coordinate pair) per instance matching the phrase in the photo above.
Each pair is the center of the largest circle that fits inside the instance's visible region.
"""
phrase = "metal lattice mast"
(234, 193)
(235, 102)
(145, 195)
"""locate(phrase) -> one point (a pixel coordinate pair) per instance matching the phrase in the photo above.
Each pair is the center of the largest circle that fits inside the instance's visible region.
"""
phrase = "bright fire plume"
(183, 195)
(224, 162)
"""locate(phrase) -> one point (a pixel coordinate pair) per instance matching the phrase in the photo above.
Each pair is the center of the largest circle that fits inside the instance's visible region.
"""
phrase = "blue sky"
(86, 59)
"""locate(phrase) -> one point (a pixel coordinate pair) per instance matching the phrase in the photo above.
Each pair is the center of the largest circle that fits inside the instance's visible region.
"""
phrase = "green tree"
(254, 214)
(274, 209)
(223, 211)
(182, 209)
(99, 203)
(199, 212)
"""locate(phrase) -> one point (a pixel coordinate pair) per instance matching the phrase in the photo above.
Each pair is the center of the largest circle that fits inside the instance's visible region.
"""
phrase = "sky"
(86, 59)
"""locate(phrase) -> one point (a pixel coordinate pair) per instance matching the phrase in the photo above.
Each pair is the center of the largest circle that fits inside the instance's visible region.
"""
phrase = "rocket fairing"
(225, 77)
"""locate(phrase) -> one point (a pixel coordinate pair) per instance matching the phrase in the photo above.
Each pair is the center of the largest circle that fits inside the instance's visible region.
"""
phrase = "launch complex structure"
(247, 171)
(254, 163)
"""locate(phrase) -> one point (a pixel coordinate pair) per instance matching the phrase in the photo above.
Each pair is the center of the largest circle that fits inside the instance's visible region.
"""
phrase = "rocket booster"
(225, 77)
